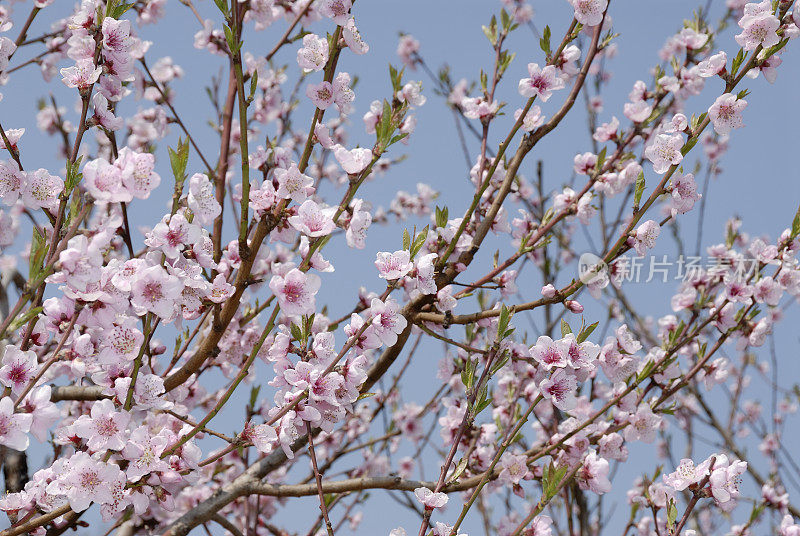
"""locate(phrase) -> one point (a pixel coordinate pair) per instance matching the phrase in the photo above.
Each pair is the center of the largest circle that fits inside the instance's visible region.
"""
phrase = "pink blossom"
(14, 427)
(407, 47)
(13, 135)
(606, 131)
(352, 37)
(292, 184)
(314, 54)
(393, 265)
(353, 161)
(560, 389)
(104, 182)
(343, 96)
(173, 234)
(153, 290)
(759, 27)
(11, 182)
(138, 173)
(44, 412)
(296, 291)
(712, 65)
(82, 75)
(121, 343)
(85, 481)
(430, 499)
(357, 226)
(514, 468)
(321, 94)
(584, 163)
(312, 220)
(548, 353)
(425, 266)
(143, 452)
(643, 425)
(645, 237)
(202, 199)
(684, 192)
(726, 113)
(42, 189)
(542, 82)
(116, 35)
(106, 428)
(104, 115)
(412, 94)
(589, 12)
(18, 368)
(387, 320)
(685, 475)
(221, 290)
(7, 47)
(665, 151)
(263, 436)
(725, 480)
(788, 526)
(337, 10)
(637, 111)
(593, 474)
(533, 119)
(479, 108)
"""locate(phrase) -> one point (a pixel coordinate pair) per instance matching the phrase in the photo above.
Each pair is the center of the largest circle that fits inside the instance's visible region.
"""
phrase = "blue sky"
(759, 183)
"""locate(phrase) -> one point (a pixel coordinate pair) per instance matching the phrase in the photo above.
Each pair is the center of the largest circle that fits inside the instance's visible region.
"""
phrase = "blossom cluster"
(238, 260)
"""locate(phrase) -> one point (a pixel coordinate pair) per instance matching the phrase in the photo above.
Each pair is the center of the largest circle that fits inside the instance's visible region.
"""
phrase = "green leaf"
(646, 371)
(231, 39)
(505, 19)
(459, 470)
(737, 62)
(119, 10)
(254, 395)
(757, 509)
(544, 42)
(406, 240)
(178, 160)
(601, 158)
(297, 333)
(505, 318)
(551, 479)
(25, 318)
(397, 138)
(585, 332)
(637, 196)
(500, 363)
(491, 31)
(442, 214)
(222, 5)
(795, 225)
(73, 176)
(565, 328)
(419, 241)
(468, 374)
(385, 125)
(689, 145)
(253, 83)
(362, 396)
(483, 401)
(672, 515)
(38, 251)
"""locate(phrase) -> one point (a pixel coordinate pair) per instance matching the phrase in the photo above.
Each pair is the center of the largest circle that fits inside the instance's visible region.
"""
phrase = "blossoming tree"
(103, 423)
